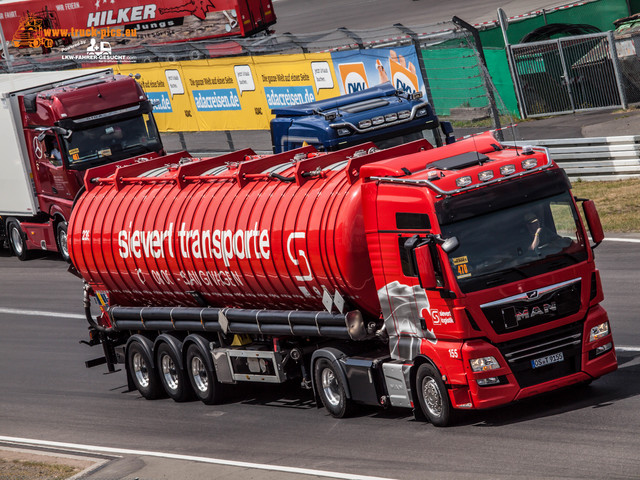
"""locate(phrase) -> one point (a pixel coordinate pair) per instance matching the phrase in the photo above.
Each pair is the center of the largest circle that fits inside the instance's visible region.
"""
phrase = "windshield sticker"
(461, 266)
(460, 260)
(104, 153)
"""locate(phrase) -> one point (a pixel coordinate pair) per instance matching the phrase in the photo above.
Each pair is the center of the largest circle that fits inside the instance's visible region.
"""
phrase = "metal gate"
(567, 75)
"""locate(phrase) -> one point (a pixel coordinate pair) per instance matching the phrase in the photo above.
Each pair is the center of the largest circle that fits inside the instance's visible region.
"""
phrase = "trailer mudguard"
(174, 344)
(203, 343)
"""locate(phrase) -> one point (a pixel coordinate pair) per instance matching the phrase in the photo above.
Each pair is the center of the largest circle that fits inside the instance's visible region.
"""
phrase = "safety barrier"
(595, 158)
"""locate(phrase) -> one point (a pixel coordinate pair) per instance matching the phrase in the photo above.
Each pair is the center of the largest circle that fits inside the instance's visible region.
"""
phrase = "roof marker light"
(377, 120)
(529, 163)
(364, 124)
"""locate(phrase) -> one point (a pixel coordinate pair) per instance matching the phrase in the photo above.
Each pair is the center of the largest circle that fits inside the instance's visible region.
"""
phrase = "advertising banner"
(235, 93)
(360, 69)
(301, 78)
(164, 84)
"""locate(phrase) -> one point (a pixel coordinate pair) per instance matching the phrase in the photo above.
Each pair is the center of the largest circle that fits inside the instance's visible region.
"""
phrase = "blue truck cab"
(380, 114)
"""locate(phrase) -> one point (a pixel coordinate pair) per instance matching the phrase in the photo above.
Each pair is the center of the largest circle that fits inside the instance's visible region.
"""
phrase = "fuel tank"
(241, 230)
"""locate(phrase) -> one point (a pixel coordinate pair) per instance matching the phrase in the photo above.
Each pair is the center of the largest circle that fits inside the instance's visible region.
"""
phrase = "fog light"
(365, 124)
(604, 348)
(529, 163)
(463, 181)
(344, 131)
(404, 114)
(421, 112)
(483, 382)
(599, 331)
(377, 120)
(391, 117)
(483, 364)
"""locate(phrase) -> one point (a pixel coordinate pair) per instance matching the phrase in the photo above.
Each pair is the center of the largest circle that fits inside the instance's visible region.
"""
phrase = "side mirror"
(593, 221)
(450, 244)
(426, 273)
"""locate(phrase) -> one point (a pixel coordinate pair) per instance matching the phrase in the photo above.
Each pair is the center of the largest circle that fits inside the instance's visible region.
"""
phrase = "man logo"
(532, 294)
(353, 76)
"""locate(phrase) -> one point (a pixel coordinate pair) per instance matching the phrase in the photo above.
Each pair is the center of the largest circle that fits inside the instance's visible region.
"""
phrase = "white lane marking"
(189, 458)
(39, 313)
(626, 348)
(628, 240)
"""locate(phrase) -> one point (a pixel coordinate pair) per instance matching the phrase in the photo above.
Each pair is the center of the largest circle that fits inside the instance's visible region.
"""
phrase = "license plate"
(548, 360)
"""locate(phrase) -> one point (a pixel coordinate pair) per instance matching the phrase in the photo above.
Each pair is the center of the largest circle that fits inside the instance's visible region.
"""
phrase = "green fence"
(452, 67)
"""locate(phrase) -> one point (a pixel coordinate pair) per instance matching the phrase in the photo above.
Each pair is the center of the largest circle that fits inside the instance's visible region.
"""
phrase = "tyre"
(202, 377)
(433, 396)
(144, 376)
(18, 241)
(331, 389)
(61, 238)
(173, 378)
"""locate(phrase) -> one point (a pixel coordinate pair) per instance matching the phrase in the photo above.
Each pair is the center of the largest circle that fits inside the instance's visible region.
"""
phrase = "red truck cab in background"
(55, 125)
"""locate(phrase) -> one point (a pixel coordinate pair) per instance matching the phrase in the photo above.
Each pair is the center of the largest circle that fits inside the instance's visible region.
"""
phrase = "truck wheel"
(143, 374)
(202, 377)
(331, 389)
(61, 238)
(173, 378)
(17, 241)
(433, 396)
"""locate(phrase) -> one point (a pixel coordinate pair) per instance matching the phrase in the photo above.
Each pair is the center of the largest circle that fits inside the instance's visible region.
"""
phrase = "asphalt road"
(47, 394)
(306, 16)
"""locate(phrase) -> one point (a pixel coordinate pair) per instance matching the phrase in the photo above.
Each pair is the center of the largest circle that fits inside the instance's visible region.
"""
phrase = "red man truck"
(55, 125)
(437, 279)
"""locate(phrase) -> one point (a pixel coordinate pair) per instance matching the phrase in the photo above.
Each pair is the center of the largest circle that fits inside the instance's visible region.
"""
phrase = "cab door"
(400, 212)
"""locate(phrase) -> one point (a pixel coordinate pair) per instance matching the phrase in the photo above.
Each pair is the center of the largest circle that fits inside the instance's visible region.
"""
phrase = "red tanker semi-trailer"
(55, 125)
(455, 278)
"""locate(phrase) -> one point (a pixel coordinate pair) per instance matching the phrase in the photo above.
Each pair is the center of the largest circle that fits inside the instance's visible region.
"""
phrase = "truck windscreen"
(115, 140)
(514, 243)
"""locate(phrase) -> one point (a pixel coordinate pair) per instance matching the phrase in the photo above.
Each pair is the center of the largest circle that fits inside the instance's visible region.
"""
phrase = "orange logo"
(403, 75)
(354, 77)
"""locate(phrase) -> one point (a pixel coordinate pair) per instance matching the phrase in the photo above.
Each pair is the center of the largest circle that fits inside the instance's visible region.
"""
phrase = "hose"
(86, 302)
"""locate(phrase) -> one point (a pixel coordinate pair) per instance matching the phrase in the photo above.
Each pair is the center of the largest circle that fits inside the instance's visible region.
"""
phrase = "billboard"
(361, 69)
(234, 93)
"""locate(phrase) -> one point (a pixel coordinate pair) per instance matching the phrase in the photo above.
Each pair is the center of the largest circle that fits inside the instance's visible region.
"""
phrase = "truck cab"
(61, 129)
(381, 114)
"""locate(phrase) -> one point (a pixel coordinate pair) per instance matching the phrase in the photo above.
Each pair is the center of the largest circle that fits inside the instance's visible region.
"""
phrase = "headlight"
(599, 331)
(483, 364)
